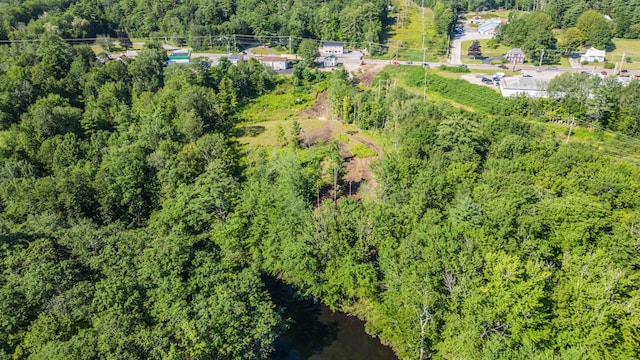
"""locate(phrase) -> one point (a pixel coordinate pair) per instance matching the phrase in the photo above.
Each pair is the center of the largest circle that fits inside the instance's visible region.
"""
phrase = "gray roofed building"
(489, 27)
(332, 47)
(531, 87)
(275, 62)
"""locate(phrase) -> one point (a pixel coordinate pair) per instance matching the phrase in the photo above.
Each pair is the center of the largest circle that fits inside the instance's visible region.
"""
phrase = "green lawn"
(488, 15)
(486, 51)
(629, 47)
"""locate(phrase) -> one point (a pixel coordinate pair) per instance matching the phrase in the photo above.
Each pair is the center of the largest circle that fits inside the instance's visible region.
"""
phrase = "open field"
(630, 48)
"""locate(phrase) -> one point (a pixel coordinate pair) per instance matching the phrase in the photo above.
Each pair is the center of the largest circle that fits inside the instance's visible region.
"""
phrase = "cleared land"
(405, 35)
(285, 102)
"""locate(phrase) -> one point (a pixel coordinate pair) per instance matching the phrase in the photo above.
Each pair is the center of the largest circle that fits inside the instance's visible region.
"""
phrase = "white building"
(330, 61)
(179, 57)
(593, 54)
(275, 62)
(235, 58)
(530, 87)
(489, 27)
(332, 47)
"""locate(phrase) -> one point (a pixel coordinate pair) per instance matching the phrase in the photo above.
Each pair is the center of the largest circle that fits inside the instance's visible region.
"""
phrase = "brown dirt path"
(358, 170)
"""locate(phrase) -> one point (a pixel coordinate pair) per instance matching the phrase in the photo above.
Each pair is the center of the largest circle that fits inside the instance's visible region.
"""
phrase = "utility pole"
(290, 47)
(424, 91)
(570, 128)
(335, 183)
(541, 56)
(235, 47)
(621, 61)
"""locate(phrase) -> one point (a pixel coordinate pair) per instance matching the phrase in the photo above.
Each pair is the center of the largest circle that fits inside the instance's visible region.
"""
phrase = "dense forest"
(194, 22)
(134, 225)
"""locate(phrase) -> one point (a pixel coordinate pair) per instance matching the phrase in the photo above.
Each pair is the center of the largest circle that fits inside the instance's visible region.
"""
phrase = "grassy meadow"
(405, 35)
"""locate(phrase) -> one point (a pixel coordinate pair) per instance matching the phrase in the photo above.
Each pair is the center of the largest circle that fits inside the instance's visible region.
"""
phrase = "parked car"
(625, 71)
(486, 80)
(637, 76)
(395, 63)
(526, 75)
(552, 68)
(425, 65)
(409, 62)
(603, 72)
(503, 67)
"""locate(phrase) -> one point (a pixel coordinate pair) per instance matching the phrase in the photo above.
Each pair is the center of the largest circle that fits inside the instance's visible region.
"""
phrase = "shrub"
(608, 65)
(454, 69)
(342, 138)
(492, 44)
(362, 151)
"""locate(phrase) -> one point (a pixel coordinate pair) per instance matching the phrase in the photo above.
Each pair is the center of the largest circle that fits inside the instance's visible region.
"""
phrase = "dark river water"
(317, 333)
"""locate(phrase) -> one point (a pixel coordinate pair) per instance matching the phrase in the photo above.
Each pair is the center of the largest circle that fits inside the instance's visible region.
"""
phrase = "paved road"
(352, 61)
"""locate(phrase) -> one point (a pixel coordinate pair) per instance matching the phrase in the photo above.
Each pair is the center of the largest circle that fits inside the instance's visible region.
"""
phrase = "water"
(317, 333)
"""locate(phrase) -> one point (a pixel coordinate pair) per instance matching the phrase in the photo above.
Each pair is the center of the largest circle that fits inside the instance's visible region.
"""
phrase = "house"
(179, 57)
(515, 56)
(530, 87)
(275, 62)
(332, 47)
(330, 61)
(489, 27)
(235, 58)
(593, 54)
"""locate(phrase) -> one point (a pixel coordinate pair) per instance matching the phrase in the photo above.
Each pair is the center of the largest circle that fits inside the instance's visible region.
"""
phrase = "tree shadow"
(250, 131)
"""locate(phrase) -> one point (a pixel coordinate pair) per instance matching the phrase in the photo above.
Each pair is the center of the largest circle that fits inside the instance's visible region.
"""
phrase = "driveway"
(456, 44)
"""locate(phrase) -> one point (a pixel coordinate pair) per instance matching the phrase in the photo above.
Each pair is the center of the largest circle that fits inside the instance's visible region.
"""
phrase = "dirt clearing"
(369, 72)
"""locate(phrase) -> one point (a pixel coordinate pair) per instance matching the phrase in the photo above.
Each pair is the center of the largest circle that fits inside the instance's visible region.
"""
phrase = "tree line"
(196, 23)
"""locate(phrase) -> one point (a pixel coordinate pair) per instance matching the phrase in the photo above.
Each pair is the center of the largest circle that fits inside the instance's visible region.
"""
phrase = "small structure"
(530, 87)
(275, 62)
(179, 57)
(235, 58)
(332, 47)
(330, 61)
(593, 54)
(515, 56)
(489, 27)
